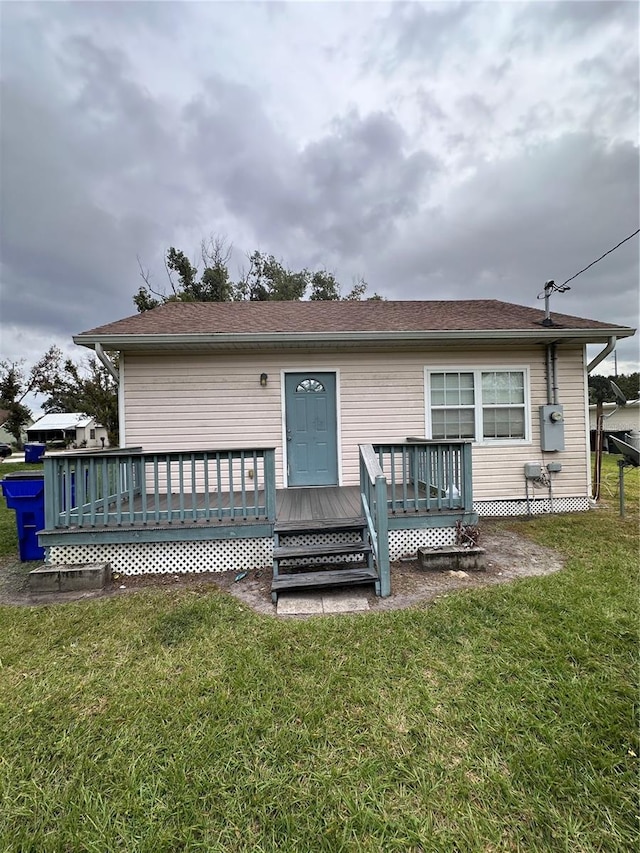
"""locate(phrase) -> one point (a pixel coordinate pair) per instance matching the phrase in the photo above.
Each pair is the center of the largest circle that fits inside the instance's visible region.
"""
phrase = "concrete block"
(86, 576)
(452, 558)
(44, 579)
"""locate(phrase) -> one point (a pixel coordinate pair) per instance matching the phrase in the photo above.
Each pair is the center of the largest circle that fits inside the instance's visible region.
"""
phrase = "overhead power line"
(601, 257)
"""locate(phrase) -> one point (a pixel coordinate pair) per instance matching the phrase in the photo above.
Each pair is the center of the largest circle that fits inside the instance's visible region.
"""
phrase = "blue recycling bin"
(34, 452)
(24, 493)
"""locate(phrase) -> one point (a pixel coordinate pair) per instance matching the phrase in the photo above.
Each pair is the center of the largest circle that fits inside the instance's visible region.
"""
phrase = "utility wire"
(601, 257)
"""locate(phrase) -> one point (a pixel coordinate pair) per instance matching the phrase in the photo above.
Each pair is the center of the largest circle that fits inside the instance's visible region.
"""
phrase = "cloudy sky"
(440, 150)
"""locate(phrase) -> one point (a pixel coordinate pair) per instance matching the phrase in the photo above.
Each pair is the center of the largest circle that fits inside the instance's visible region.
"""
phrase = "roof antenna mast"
(549, 288)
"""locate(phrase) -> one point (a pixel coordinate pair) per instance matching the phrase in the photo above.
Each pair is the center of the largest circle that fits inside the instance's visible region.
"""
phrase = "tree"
(358, 292)
(213, 285)
(600, 390)
(267, 279)
(15, 384)
(88, 388)
(324, 287)
(628, 384)
(12, 391)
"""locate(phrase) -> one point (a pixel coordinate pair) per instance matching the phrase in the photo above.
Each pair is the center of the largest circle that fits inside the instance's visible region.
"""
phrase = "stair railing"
(373, 497)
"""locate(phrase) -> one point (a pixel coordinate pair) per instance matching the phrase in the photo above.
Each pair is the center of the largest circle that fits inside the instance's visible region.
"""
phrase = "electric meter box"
(552, 427)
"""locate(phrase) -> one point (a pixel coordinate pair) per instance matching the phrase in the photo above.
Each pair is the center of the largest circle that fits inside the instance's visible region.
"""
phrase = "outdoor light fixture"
(263, 379)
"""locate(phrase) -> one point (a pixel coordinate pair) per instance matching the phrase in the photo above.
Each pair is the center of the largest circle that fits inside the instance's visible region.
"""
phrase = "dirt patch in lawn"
(509, 556)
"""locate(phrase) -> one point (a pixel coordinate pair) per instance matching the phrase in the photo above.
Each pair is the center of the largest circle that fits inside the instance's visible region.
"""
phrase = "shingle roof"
(211, 318)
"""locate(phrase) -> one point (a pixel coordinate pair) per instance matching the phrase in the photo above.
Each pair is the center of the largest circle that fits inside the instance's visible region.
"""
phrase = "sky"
(437, 150)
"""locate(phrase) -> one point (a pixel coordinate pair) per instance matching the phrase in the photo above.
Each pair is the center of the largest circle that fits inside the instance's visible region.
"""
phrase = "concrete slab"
(316, 603)
(294, 604)
(344, 602)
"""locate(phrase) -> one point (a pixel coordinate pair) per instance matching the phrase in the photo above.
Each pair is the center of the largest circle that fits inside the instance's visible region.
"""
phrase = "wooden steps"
(291, 568)
(325, 578)
(333, 549)
(320, 525)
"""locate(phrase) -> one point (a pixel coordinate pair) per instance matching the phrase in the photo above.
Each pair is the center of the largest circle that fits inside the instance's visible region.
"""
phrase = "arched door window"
(309, 385)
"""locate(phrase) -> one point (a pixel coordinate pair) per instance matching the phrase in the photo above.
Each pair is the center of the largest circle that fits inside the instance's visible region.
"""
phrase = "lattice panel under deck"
(406, 542)
(539, 506)
(170, 557)
(320, 539)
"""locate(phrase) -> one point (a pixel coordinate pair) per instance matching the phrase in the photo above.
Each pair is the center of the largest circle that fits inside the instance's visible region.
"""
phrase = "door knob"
(288, 435)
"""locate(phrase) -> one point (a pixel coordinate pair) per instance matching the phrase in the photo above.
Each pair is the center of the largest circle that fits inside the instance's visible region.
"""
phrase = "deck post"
(51, 493)
(467, 469)
(382, 525)
(270, 483)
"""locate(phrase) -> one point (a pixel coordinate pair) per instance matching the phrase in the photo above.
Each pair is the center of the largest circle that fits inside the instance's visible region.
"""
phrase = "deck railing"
(131, 486)
(427, 475)
(373, 497)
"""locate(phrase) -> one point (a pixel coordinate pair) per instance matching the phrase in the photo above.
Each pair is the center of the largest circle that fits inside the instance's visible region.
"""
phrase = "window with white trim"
(478, 405)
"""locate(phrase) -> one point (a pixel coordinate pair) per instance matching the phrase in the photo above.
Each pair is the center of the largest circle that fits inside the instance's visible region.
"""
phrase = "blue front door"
(312, 445)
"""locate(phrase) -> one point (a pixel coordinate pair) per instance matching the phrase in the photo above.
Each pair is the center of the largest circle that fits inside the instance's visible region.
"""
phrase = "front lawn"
(495, 719)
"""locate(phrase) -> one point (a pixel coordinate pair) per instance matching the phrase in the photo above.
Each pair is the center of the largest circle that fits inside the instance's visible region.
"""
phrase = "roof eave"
(234, 340)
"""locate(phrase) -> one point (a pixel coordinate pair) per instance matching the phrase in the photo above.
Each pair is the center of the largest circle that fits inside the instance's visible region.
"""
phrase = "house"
(617, 420)
(70, 429)
(5, 436)
(247, 427)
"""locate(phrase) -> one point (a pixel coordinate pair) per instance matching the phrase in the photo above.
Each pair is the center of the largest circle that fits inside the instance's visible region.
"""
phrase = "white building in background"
(617, 418)
(75, 429)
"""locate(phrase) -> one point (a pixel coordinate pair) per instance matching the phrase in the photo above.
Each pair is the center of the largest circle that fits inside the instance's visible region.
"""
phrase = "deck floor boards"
(308, 504)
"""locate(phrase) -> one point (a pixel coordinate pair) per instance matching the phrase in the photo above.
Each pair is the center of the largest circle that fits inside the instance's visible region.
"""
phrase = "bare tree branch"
(215, 251)
(146, 277)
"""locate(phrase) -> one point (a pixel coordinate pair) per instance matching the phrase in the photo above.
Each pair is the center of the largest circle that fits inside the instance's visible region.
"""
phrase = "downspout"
(597, 467)
(611, 345)
(106, 361)
(113, 370)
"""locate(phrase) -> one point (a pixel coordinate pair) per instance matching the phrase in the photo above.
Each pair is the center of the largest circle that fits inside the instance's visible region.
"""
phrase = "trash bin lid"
(24, 475)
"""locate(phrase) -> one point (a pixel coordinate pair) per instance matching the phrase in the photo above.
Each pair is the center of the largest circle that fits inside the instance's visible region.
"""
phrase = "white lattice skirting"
(244, 554)
(539, 506)
(222, 555)
(405, 543)
(170, 557)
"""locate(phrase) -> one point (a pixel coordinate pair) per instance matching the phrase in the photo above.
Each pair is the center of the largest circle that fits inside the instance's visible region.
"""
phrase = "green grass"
(495, 719)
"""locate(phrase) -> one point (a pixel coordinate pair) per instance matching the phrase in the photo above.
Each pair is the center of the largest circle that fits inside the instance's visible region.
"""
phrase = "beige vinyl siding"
(200, 401)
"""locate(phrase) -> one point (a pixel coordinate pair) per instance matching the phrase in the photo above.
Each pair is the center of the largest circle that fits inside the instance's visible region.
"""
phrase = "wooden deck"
(317, 504)
(325, 503)
(301, 504)
(131, 497)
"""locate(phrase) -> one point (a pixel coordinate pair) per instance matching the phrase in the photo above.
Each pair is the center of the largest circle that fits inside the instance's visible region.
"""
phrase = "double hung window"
(478, 405)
